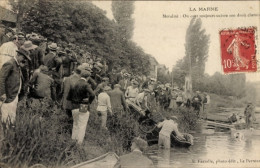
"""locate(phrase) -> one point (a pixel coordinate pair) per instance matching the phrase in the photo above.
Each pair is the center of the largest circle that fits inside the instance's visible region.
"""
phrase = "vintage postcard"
(129, 84)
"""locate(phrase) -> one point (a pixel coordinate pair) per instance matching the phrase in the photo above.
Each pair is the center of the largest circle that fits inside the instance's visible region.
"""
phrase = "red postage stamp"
(238, 50)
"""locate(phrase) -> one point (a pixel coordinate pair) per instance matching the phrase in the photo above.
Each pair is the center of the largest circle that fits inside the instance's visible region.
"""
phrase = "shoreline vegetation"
(41, 135)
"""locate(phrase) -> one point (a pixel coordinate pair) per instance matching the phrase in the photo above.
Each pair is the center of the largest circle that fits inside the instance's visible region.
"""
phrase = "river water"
(211, 149)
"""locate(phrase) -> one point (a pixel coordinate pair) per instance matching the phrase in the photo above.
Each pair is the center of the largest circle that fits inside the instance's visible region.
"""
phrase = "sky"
(164, 38)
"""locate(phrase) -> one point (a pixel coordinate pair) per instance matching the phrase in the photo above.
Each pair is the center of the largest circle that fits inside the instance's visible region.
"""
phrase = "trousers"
(8, 111)
(103, 119)
(164, 141)
(80, 121)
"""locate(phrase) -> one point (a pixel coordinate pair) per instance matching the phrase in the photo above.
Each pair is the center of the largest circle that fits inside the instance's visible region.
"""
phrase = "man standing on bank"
(10, 86)
(81, 95)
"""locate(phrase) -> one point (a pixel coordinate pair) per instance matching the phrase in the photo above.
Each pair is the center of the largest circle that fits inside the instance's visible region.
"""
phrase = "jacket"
(52, 61)
(36, 59)
(80, 92)
(10, 78)
(117, 99)
(43, 85)
(68, 83)
(134, 159)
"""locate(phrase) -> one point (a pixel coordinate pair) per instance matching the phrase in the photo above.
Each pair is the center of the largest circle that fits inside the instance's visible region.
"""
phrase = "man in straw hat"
(104, 106)
(135, 159)
(11, 85)
(36, 58)
(51, 60)
(168, 126)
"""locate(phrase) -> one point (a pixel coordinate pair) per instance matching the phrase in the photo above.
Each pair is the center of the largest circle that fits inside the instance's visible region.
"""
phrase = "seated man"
(132, 91)
(42, 84)
(141, 101)
(168, 126)
(135, 159)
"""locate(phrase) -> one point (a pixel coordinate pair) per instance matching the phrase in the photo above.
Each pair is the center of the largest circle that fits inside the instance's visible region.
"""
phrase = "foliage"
(196, 53)
(85, 25)
(20, 7)
(187, 118)
(229, 85)
(122, 12)
(39, 137)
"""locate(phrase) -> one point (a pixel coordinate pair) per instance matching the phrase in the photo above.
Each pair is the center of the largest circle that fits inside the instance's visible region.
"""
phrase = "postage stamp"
(238, 50)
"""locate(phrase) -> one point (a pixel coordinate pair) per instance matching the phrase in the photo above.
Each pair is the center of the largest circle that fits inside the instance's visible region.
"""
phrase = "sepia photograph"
(129, 84)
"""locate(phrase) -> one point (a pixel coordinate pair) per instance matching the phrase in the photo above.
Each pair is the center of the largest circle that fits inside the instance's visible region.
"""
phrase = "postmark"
(238, 50)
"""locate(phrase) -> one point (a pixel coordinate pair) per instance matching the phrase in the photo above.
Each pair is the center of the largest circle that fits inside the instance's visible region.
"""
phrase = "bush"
(187, 118)
(39, 137)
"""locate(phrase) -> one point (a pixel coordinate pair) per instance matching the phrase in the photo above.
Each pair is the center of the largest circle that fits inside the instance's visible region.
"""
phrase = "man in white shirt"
(168, 126)
(132, 91)
(141, 99)
(104, 105)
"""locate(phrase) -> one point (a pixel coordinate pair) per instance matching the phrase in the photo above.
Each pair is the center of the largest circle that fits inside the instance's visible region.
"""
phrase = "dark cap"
(24, 53)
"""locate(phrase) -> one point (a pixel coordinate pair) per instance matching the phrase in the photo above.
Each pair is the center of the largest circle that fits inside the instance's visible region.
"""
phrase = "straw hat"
(28, 46)
(107, 88)
(53, 46)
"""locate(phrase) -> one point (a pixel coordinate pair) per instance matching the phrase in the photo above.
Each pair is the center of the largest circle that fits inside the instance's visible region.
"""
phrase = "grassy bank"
(41, 136)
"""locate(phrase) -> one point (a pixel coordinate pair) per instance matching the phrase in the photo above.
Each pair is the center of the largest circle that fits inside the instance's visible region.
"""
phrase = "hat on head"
(135, 82)
(67, 50)
(44, 68)
(28, 46)
(85, 73)
(107, 88)
(117, 86)
(20, 35)
(61, 52)
(98, 59)
(152, 79)
(23, 52)
(85, 66)
(53, 46)
(173, 117)
(34, 36)
(146, 90)
(97, 67)
(99, 64)
(105, 79)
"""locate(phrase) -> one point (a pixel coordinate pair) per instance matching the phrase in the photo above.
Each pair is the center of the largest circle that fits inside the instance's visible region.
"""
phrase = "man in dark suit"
(68, 83)
(117, 98)
(81, 96)
(11, 85)
(135, 159)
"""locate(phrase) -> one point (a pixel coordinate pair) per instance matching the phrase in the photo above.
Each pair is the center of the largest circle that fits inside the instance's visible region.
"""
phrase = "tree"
(122, 12)
(196, 48)
(20, 7)
(85, 25)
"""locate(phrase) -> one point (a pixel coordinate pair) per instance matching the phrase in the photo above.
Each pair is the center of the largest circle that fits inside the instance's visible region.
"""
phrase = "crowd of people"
(73, 78)
(37, 67)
